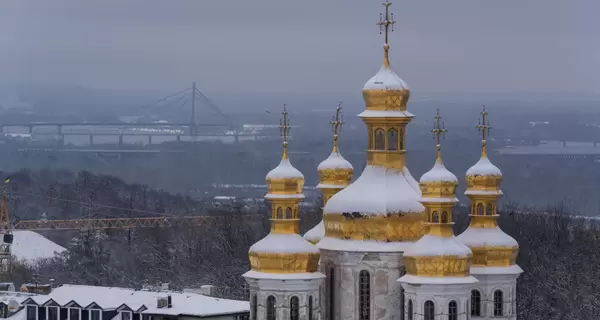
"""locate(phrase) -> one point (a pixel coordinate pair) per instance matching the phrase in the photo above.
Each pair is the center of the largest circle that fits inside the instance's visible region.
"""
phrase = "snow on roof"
(385, 114)
(486, 237)
(407, 278)
(284, 196)
(378, 191)
(385, 79)
(431, 245)
(6, 296)
(412, 181)
(283, 276)
(110, 298)
(334, 244)
(283, 243)
(316, 233)
(29, 246)
(438, 173)
(334, 161)
(285, 169)
(484, 192)
(20, 315)
(330, 186)
(514, 269)
(484, 167)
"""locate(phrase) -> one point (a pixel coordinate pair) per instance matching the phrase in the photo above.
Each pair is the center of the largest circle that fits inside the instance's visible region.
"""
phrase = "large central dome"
(380, 211)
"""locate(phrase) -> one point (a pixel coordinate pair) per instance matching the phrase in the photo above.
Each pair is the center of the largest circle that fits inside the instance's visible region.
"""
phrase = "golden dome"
(335, 172)
(386, 91)
(283, 250)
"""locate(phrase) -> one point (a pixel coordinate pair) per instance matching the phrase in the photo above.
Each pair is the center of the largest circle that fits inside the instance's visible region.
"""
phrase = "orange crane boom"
(124, 223)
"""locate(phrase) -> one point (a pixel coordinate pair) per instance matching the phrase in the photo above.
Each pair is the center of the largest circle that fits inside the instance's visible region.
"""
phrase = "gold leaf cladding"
(438, 266)
(386, 99)
(335, 176)
(284, 262)
(391, 228)
(494, 256)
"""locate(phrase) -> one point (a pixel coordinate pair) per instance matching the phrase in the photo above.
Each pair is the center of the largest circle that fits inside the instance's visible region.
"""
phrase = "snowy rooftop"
(283, 276)
(108, 298)
(385, 114)
(436, 280)
(285, 169)
(486, 237)
(334, 161)
(283, 243)
(484, 167)
(334, 244)
(29, 246)
(430, 245)
(385, 79)
(438, 173)
(316, 233)
(378, 191)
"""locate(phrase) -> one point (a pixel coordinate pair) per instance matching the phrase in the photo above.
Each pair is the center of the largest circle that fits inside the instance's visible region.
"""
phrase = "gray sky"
(311, 46)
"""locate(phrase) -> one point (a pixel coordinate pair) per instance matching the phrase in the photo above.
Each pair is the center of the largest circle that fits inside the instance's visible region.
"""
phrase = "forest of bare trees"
(558, 252)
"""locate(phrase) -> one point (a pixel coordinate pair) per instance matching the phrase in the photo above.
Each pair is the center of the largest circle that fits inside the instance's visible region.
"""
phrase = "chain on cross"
(484, 125)
(386, 23)
(337, 122)
(438, 128)
(284, 125)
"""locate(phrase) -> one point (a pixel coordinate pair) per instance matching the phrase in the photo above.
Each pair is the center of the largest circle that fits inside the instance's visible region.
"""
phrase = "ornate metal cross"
(386, 24)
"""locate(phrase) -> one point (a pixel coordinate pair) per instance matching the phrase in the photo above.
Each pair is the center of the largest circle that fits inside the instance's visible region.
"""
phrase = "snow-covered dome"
(438, 184)
(335, 171)
(386, 91)
(315, 234)
(432, 246)
(285, 170)
(484, 178)
(285, 180)
(385, 79)
(484, 167)
(490, 246)
(438, 173)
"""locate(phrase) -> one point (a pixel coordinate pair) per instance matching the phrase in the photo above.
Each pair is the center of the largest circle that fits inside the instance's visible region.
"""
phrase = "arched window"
(452, 310)
(490, 210)
(429, 310)
(279, 213)
(271, 308)
(331, 294)
(294, 308)
(254, 306)
(392, 139)
(410, 310)
(498, 303)
(436, 217)
(288, 213)
(480, 209)
(476, 303)
(310, 308)
(370, 144)
(364, 300)
(379, 139)
(444, 217)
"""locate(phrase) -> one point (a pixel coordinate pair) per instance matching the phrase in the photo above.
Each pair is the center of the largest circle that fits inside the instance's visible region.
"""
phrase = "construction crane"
(165, 221)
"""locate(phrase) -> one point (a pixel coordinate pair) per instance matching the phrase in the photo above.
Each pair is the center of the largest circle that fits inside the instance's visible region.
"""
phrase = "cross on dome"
(438, 129)
(386, 24)
(484, 129)
(337, 122)
(284, 126)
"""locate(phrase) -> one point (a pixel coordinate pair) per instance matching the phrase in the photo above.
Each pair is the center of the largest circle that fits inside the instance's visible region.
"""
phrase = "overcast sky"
(301, 46)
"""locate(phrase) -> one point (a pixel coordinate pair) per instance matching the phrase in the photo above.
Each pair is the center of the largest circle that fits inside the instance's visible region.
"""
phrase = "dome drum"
(440, 190)
(338, 177)
(393, 227)
(494, 256)
(477, 184)
(438, 266)
(285, 186)
(284, 262)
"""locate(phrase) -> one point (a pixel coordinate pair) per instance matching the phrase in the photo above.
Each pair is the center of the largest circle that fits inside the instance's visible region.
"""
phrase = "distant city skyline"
(301, 47)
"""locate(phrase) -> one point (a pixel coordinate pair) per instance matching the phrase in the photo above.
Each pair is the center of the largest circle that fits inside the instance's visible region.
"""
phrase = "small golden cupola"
(283, 250)
(490, 245)
(382, 206)
(335, 174)
(438, 253)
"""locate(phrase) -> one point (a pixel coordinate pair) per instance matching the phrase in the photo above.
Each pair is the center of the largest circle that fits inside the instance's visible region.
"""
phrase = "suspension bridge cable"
(162, 99)
(213, 106)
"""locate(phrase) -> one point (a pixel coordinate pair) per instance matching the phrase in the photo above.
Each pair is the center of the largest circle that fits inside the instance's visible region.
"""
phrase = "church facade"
(385, 249)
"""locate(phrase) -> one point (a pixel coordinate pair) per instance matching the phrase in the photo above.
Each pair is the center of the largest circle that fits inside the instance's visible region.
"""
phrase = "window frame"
(310, 307)
(294, 308)
(475, 305)
(121, 313)
(254, 306)
(271, 308)
(498, 305)
(48, 312)
(69, 312)
(331, 294)
(410, 310)
(452, 310)
(364, 295)
(91, 311)
(429, 305)
(37, 311)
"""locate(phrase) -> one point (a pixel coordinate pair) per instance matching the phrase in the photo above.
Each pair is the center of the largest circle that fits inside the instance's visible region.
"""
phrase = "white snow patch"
(334, 161)
(484, 167)
(29, 246)
(283, 243)
(283, 276)
(385, 114)
(20, 315)
(110, 298)
(330, 186)
(438, 173)
(407, 278)
(430, 246)
(378, 191)
(284, 196)
(285, 169)
(438, 200)
(412, 181)
(486, 237)
(385, 79)
(334, 244)
(484, 192)
(316, 233)
(514, 269)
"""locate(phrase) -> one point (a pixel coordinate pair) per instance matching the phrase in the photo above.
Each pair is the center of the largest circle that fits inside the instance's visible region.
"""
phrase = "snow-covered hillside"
(30, 246)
